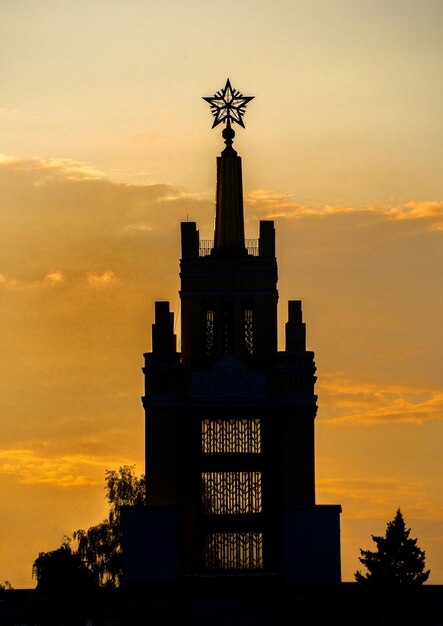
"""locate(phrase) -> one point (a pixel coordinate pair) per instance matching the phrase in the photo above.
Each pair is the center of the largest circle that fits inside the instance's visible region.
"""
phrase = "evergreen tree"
(398, 561)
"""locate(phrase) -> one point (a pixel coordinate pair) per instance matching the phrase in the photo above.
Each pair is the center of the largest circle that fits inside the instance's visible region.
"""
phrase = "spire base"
(229, 236)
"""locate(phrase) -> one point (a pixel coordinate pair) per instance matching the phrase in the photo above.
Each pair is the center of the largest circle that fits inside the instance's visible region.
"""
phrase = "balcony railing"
(207, 246)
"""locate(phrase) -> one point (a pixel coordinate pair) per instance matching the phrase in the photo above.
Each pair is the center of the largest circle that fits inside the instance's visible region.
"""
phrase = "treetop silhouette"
(94, 554)
(398, 561)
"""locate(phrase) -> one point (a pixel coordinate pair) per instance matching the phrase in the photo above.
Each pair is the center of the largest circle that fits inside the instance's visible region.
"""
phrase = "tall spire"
(229, 105)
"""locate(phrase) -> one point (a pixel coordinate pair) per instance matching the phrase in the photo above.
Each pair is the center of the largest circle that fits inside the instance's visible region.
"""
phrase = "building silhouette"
(230, 467)
(232, 534)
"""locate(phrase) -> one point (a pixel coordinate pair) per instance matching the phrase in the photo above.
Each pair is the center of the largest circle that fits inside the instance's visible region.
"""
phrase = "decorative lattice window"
(231, 493)
(209, 331)
(234, 551)
(248, 331)
(231, 436)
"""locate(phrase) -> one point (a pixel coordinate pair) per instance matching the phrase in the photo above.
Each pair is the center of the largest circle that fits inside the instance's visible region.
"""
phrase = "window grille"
(209, 331)
(234, 551)
(231, 436)
(248, 329)
(231, 493)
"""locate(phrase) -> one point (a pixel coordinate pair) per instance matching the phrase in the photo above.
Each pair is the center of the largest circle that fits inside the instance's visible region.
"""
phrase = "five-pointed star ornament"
(228, 105)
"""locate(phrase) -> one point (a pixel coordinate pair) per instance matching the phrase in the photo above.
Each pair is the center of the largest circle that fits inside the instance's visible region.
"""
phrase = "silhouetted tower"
(230, 420)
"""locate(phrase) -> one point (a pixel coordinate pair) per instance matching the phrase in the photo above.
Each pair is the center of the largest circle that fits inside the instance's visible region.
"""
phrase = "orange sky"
(107, 147)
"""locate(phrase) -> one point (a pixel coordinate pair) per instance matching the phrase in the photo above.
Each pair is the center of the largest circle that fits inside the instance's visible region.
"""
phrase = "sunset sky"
(106, 145)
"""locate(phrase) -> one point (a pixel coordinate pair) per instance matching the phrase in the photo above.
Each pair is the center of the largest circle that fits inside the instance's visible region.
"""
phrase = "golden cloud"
(67, 471)
(430, 211)
(54, 277)
(280, 205)
(275, 205)
(378, 497)
(65, 213)
(285, 206)
(7, 282)
(99, 280)
(417, 210)
(49, 170)
(139, 227)
(350, 402)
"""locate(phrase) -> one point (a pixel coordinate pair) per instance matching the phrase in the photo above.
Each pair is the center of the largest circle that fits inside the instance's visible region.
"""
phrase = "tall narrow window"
(248, 331)
(209, 331)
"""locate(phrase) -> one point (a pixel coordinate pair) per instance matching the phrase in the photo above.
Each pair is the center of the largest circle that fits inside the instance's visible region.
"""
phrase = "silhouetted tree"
(99, 547)
(391, 590)
(64, 584)
(97, 550)
(397, 561)
(62, 569)
(6, 586)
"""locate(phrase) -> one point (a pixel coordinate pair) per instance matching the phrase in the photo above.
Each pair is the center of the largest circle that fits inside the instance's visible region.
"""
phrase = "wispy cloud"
(48, 170)
(5, 159)
(349, 402)
(72, 169)
(54, 278)
(378, 497)
(70, 219)
(100, 280)
(67, 471)
(274, 205)
(139, 227)
(283, 205)
(6, 281)
(417, 210)
(51, 279)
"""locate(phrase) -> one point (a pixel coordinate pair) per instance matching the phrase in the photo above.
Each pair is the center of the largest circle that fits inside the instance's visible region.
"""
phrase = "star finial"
(228, 105)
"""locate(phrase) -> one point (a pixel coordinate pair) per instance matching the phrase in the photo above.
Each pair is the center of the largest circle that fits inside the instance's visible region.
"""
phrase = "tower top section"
(228, 105)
